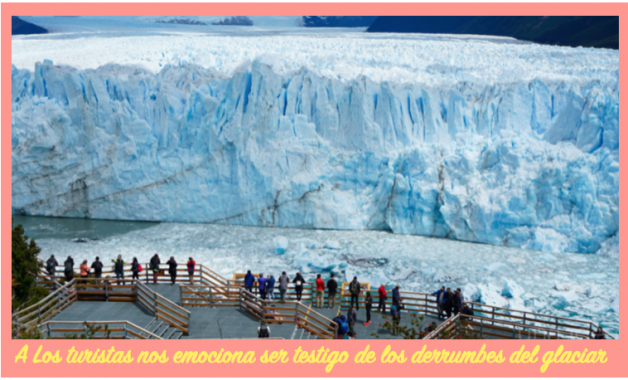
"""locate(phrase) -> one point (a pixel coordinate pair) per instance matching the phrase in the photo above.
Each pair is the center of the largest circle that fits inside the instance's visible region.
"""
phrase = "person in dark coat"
(172, 269)
(97, 267)
(441, 300)
(368, 304)
(396, 297)
(332, 289)
(135, 269)
(249, 280)
(352, 317)
(465, 312)
(69, 269)
(154, 266)
(599, 334)
(298, 285)
(51, 265)
(449, 303)
(270, 288)
(284, 280)
(354, 290)
(118, 268)
(457, 303)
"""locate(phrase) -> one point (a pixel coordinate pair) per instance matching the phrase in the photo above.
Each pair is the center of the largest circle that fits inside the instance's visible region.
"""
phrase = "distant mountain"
(587, 31)
(180, 21)
(236, 20)
(338, 21)
(19, 26)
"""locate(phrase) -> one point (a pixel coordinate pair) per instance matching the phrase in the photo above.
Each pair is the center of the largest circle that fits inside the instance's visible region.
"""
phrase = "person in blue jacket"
(441, 301)
(249, 280)
(262, 286)
(270, 288)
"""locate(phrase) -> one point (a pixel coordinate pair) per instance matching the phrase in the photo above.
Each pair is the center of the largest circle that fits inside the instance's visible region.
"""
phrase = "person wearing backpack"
(68, 269)
(263, 331)
(381, 307)
(191, 265)
(298, 285)
(395, 314)
(97, 267)
(51, 265)
(368, 304)
(320, 291)
(354, 289)
(154, 266)
(172, 269)
(343, 326)
(284, 280)
(118, 268)
(270, 288)
(332, 288)
(261, 282)
(135, 268)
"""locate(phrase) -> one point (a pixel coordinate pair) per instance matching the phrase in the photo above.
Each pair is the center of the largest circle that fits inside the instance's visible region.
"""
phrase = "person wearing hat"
(154, 266)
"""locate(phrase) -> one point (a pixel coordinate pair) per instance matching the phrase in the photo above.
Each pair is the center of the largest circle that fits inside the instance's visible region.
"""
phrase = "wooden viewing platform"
(217, 308)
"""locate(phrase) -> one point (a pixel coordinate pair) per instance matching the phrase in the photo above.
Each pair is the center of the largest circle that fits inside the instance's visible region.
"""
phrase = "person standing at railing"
(599, 334)
(381, 307)
(332, 289)
(191, 265)
(68, 269)
(449, 302)
(298, 285)
(368, 304)
(97, 267)
(270, 288)
(354, 290)
(466, 310)
(460, 295)
(172, 269)
(51, 265)
(135, 268)
(284, 280)
(118, 268)
(249, 281)
(84, 268)
(396, 297)
(154, 266)
(261, 283)
(320, 291)
(457, 303)
(441, 300)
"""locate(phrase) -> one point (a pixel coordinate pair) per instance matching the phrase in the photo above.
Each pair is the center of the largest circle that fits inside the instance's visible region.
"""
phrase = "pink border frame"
(615, 349)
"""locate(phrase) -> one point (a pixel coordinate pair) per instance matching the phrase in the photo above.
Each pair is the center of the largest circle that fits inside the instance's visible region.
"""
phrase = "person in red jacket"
(382, 299)
(320, 291)
(191, 265)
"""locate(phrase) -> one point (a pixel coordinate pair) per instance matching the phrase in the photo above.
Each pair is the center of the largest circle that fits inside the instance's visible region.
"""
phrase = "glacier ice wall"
(530, 164)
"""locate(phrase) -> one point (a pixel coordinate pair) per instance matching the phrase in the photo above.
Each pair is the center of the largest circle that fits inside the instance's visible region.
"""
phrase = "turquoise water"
(41, 227)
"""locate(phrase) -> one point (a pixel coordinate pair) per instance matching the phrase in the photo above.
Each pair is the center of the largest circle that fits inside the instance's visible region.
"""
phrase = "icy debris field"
(569, 285)
(481, 140)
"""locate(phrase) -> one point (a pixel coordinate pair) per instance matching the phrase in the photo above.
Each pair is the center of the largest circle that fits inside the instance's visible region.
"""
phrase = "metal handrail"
(127, 323)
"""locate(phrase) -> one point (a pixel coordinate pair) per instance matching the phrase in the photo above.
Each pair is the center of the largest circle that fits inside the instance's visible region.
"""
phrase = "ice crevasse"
(532, 164)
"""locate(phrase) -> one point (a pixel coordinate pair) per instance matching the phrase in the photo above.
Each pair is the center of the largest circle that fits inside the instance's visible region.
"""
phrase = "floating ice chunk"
(332, 244)
(511, 289)
(564, 298)
(281, 244)
(491, 295)
(471, 293)
(494, 266)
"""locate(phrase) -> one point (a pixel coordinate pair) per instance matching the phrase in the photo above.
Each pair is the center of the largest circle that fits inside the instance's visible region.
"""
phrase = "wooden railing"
(103, 330)
(529, 322)
(47, 308)
(447, 329)
(164, 309)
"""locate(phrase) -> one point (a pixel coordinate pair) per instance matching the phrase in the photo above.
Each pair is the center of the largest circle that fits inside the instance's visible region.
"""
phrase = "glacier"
(501, 143)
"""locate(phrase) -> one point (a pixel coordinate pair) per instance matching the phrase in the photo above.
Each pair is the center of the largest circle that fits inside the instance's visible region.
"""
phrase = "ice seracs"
(478, 150)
